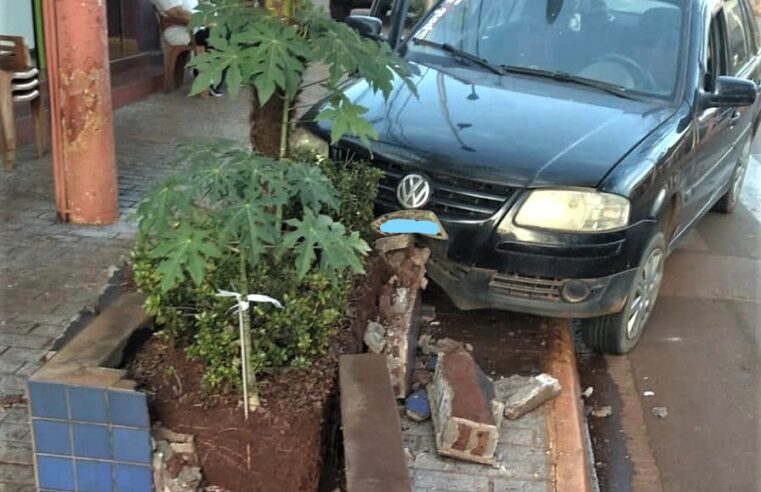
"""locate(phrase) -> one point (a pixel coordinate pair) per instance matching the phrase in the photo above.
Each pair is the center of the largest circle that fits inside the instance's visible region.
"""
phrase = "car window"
(715, 59)
(738, 35)
(630, 43)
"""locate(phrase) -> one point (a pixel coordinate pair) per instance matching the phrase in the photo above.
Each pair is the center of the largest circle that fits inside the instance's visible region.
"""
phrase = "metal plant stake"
(243, 304)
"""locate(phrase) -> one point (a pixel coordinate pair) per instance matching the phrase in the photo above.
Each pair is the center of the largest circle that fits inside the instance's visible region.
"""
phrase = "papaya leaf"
(313, 187)
(346, 119)
(314, 233)
(182, 251)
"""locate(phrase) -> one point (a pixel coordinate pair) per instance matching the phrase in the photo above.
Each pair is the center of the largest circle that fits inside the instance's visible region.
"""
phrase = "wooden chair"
(174, 56)
(19, 82)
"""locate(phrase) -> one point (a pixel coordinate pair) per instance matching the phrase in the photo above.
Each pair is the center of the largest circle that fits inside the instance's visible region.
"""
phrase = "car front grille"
(524, 286)
(453, 198)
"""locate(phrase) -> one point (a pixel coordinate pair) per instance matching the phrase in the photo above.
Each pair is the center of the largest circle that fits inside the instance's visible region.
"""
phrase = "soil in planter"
(283, 447)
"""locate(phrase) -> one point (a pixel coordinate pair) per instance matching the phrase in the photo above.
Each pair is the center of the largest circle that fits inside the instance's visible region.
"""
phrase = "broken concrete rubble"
(602, 412)
(388, 244)
(466, 415)
(375, 337)
(427, 313)
(399, 305)
(660, 412)
(522, 394)
(175, 462)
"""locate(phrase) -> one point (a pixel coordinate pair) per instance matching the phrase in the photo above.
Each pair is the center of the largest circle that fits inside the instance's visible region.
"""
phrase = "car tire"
(619, 333)
(340, 10)
(727, 203)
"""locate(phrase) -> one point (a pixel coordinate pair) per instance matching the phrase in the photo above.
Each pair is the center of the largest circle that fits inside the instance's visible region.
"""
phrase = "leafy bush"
(234, 220)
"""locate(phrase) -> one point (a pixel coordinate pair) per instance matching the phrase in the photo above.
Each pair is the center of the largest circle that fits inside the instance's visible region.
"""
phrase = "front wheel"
(619, 333)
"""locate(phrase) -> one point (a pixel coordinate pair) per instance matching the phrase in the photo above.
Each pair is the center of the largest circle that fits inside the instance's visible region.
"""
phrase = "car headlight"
(574, 211)
(301, 137)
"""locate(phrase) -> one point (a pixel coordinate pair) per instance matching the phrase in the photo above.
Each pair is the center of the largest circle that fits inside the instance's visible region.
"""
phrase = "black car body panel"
(484, 141)
(489, 123)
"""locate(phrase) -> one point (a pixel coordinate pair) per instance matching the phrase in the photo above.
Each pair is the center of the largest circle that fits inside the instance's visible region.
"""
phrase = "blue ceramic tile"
(48, 400)
(55, 473)
(51, 437)
(91, 441)
(128, 408)
(93, 476)
(131, 478)
(88, 404)
(131, 445)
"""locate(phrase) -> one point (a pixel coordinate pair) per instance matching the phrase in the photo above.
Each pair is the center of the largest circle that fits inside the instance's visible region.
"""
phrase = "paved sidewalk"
(50, 272)
(529, 451)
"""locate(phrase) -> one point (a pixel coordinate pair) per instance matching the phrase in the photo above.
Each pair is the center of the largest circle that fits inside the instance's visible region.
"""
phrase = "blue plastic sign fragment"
(410, 226)
(420, 222)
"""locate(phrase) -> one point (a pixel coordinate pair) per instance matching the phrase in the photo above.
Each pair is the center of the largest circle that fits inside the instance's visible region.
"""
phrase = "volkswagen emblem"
(414, 191)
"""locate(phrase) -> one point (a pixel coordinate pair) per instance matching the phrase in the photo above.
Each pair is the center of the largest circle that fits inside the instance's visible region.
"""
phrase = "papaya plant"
(230, 201)
(233, 215)
(268, 46)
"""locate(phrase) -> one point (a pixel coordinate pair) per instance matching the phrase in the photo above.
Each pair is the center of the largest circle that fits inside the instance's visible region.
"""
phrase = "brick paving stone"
(507, 485)
(24, 341)
(16, 453)
(448, 482)
(14, 432)
(49, 272)
(12, 384)
(10, 366)
(15, 487)
(16, 414)
(16, 474)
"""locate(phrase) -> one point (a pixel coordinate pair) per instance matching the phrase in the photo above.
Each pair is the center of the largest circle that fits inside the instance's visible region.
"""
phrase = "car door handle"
(735, 117)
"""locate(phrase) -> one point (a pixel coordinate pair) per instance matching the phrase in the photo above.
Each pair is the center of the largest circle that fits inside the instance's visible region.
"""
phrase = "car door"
(741, 62)
(720, 131)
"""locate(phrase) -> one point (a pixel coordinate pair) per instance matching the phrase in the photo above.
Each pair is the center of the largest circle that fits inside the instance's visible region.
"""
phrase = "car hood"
(514, 130)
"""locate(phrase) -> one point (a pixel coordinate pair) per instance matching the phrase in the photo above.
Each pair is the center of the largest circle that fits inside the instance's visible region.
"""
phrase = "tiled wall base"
(90, 439)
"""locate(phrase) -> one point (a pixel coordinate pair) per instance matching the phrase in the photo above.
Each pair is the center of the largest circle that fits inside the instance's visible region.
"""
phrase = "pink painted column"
(82, 135)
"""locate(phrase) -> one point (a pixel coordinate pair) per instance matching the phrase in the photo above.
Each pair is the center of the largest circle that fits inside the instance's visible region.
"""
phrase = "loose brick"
(466, 416)
(523, 394)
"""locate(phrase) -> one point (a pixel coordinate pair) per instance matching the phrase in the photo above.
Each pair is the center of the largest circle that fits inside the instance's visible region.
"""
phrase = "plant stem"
(250, 392)
(284, 127)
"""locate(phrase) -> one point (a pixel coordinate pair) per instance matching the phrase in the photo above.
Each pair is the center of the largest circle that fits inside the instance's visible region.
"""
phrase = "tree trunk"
(265, 126)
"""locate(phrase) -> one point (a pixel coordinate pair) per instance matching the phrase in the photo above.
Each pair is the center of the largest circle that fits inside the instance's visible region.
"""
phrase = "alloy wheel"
(648, 284)
(742, 166)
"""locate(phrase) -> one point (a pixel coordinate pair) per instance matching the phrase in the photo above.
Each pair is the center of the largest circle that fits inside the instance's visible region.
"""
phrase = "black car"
(341, 9)
(567, 147)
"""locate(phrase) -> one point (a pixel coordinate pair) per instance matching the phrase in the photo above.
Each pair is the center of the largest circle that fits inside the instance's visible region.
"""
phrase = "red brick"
(466, 416)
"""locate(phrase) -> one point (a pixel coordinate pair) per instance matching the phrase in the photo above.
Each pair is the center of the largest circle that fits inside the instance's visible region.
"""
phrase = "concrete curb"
(375, 460)
(566, 425)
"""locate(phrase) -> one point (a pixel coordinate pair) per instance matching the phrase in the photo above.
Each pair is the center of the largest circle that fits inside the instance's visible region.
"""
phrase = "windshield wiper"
(456, 52)
(614, 89)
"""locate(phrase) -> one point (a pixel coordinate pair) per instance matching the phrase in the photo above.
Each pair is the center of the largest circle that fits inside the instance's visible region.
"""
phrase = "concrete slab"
(372, 437)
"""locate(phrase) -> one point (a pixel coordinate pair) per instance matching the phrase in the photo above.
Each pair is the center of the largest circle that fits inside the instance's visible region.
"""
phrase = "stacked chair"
(19, 82)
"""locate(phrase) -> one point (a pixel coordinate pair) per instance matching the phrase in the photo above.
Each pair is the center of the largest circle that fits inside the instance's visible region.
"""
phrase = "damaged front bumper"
(478, 288)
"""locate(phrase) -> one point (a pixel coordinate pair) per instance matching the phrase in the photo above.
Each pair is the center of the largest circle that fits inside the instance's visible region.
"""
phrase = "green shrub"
(194, 212)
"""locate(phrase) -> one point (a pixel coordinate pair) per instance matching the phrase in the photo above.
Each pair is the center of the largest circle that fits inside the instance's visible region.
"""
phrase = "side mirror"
(730, 92)
(367, 26)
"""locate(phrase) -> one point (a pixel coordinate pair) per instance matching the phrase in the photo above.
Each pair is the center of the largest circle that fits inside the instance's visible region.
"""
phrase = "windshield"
(633, 44)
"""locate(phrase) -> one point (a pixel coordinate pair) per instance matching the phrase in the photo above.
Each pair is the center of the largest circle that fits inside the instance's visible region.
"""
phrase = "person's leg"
(202, 39)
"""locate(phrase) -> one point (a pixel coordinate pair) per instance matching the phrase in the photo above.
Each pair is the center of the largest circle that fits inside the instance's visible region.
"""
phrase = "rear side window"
(738, 36)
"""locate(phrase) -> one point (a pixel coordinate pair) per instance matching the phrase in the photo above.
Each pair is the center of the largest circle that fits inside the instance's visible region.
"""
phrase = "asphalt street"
(699, 359)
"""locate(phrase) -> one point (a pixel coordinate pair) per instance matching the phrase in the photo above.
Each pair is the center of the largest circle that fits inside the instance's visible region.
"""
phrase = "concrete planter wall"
(90, 428)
